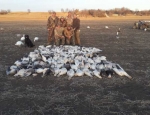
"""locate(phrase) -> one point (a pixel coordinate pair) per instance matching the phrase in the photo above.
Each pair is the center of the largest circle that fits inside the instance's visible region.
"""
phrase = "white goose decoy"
(70, 73)
(19, 43)
(117, 35)
(36, 39)
(106, 27)
(88, 27)
(18, 35)
(22, 38)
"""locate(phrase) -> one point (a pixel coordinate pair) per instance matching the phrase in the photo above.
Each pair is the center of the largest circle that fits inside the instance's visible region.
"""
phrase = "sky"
(57, 5)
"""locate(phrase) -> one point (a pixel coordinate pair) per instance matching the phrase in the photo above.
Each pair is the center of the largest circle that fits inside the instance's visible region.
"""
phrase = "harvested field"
(81, 95)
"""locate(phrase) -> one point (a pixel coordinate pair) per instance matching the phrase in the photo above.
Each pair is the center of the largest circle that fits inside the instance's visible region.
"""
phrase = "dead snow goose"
(70, 73)
(87, 72)
(62, 72)
(11, 71)
(79, 73)
(46, 71)
(120, 71)
(97, 74)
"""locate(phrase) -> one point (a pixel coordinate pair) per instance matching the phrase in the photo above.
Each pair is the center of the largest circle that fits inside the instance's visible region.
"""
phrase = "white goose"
(70, 73)
(36, 39)
(22, 38)
(62, 72)
(88, 27)
(120, 71)
(19, 43)
(97, 74)
(79, 73)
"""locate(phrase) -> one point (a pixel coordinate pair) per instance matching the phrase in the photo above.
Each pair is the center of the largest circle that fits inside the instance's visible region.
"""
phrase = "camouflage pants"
(50, 36)
(77, 37)
(59, 41)
(70, 41)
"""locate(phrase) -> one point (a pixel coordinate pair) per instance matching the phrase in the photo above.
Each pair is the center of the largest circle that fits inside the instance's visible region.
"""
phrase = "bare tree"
(8, 10)
(62, 10)
(28, 10)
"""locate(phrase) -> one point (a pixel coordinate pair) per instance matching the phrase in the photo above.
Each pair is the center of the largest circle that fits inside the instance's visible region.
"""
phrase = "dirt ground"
(81, 95)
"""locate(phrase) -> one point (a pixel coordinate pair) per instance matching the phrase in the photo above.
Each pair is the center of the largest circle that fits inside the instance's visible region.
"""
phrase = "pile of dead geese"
(65, 60)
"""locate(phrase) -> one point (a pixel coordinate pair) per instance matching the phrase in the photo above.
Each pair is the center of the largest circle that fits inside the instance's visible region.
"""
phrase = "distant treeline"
(99, 12)
(2, 12)
(103, 13)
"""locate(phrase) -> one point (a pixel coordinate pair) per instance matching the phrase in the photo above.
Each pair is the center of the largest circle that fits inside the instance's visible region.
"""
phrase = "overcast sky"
(56, 5)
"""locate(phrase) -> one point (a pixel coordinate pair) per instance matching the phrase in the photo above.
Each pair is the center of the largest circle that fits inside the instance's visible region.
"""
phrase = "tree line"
(103, 13)
(98, 13)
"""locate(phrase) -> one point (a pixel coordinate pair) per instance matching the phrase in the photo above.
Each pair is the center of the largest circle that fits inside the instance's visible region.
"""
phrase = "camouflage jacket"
(59, 31)
(69, 20)
(68, 33)
(63, 23)
(51, 23)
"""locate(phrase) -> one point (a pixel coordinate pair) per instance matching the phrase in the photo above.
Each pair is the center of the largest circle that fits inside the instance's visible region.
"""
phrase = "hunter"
(59, 37)
(51, 24)
(69, 32)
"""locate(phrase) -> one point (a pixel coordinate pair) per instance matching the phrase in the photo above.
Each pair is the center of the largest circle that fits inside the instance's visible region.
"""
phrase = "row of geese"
(65, 60)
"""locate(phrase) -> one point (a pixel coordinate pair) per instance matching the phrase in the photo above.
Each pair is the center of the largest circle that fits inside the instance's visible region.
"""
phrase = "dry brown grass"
(22, 16)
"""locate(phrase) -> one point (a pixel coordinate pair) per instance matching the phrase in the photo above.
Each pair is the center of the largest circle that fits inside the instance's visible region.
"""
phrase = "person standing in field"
(62, 22)
(69, 32)
(51, 24)
(76, 27)
(59, 37)
(69, 18)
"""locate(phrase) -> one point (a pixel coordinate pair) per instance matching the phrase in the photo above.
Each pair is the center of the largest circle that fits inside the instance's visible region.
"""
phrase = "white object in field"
(88, 27)
(19, 43)
(36, 39)
(22, 38)
(106, 27)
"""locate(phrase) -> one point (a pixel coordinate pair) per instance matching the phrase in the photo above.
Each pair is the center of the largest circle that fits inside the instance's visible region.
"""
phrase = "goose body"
(106, 27)
(36, 39)
(79, 73)
(19, 43)
(62, 72)
(88, 27)
(22, 38)
(70, 74)
(97, 74)
(11, 71)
